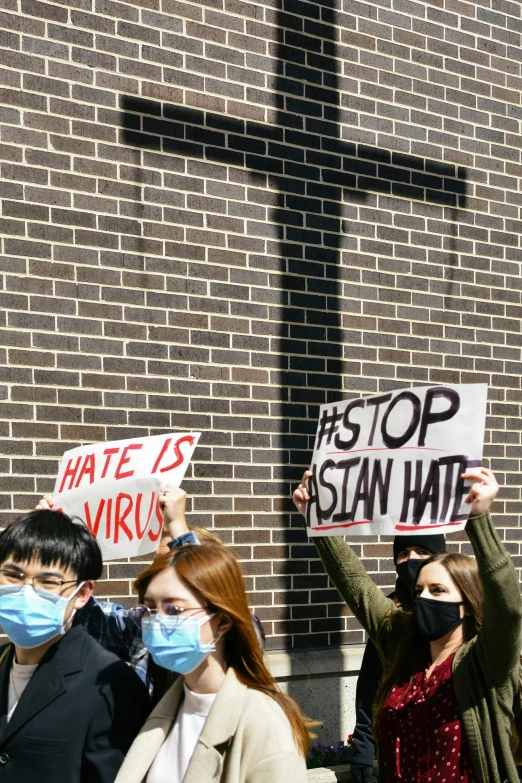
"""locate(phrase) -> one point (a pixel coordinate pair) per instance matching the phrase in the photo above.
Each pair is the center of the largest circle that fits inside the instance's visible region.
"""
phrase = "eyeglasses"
(15, 580)
(140, 613)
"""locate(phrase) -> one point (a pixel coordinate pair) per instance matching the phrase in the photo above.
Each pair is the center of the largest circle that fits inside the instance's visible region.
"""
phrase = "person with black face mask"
(408, 554)
(444, 709)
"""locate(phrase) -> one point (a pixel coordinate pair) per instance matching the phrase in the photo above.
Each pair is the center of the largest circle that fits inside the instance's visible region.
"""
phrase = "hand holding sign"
(114, 488)
(483, 492)
(394, 463)
(172, 502)
(45, 503)
(301, 495)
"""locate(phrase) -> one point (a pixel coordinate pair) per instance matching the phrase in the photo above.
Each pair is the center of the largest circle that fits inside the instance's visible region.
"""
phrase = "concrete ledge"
(338, 774)
(322, 681)
(329, 774)
(303, 664)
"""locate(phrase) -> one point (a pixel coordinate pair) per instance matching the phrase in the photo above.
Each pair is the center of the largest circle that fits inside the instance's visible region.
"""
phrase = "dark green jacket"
(486, 669)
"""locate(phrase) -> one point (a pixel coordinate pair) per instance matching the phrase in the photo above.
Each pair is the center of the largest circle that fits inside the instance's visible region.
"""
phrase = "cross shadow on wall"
(315, 175)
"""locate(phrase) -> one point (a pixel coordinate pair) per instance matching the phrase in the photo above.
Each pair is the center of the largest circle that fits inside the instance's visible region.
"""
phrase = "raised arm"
(346, 571)
(499, 636)
(172, 502)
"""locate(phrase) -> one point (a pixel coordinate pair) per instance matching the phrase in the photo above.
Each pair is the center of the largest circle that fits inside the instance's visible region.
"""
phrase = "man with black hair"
(69, 710)
(109, 623)
(408, 552)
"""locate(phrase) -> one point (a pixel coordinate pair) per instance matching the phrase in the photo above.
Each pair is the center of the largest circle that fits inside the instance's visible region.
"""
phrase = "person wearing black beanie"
(408, 553)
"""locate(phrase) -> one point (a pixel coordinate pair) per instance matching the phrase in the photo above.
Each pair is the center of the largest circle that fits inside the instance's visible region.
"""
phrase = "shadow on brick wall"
(316, 175)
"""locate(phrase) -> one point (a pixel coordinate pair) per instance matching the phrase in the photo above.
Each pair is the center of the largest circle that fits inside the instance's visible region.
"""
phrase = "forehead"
(168, 586)
(434, 572)
(34, 567)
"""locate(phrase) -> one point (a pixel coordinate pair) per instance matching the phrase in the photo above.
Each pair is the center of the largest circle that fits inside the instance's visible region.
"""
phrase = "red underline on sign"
(401, 448)
(345, 524)
(412, 528)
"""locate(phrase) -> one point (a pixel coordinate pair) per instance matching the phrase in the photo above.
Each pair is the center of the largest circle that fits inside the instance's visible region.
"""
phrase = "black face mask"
(437, 618)
(407, 571)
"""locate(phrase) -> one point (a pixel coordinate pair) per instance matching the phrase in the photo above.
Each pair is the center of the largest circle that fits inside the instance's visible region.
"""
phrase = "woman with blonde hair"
(450, 690)
(223, 719)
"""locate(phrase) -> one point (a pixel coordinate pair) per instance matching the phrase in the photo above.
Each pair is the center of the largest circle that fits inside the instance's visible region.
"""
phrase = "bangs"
(53, 539)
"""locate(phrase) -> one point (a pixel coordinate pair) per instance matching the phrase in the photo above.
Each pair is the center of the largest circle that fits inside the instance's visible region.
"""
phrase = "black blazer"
(76, 718)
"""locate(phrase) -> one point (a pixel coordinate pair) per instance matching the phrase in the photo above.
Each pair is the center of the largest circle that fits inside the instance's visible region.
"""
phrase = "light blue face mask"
(175, 642)
(33, 618)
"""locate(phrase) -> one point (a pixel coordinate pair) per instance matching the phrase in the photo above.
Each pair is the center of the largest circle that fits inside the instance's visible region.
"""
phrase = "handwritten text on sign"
(113, 488)
(392, 463)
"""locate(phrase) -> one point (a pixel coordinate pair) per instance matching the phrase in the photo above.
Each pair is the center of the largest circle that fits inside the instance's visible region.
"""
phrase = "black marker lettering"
(411, 493)
(449, 481)
(312, 501)
(461, 490)
(396, 442)
(431, 418)
(327, 512)
(429, 494)
(384, 487)
(377, 402)
(328, 426)
(346, 464)
(348, 425)
(362, 481)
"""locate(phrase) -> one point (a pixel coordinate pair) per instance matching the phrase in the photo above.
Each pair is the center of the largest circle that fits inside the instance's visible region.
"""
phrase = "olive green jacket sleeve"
(367, 602)
(486, 670)
(499, 636)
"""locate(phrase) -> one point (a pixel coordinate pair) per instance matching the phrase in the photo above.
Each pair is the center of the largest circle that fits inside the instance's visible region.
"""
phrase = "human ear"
(83, 594)
(224, 623)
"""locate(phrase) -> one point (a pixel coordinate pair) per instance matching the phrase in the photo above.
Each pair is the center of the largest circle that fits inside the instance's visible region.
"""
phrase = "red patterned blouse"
(420, 734)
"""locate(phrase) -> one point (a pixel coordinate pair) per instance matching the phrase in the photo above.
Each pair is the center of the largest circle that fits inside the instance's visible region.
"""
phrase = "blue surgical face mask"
(175, 642)
(33, 618)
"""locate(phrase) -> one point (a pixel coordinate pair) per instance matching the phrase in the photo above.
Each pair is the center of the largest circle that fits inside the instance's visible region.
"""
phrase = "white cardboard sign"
(113, 488)
(392, 463)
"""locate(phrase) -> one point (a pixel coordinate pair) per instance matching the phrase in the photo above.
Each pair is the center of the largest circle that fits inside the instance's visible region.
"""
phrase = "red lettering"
(124, 459)
(162, 452)
(120, 518)
(159, 517)
(87, 470)
(177, 452)
(94, 528)
(109, 453)
(108, 520)
(70, 472)
(140, 532)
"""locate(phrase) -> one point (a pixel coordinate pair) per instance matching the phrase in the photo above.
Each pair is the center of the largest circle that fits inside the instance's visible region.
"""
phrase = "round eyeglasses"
(142, 613)
(14, 579)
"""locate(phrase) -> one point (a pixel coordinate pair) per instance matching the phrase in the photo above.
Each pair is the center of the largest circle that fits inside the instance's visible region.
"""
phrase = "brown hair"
(160, 679)
(214, 573)
(203, 534)
(412, 650)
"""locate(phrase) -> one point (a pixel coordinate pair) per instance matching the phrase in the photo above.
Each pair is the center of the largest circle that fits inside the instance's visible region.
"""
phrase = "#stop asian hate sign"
(392, 463)
(114, 488)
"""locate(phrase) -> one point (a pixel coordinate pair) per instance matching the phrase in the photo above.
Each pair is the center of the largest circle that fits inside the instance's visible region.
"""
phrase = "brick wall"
(219, 214)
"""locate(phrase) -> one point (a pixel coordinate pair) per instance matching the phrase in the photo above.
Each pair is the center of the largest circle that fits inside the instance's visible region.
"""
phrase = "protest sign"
(113, 488)
(392, 463)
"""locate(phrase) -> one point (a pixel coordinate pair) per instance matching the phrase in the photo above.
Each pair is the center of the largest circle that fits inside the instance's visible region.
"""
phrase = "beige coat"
(246, 739)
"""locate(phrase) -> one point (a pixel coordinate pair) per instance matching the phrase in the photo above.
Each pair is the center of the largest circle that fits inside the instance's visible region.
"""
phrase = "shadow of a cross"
(311, 178)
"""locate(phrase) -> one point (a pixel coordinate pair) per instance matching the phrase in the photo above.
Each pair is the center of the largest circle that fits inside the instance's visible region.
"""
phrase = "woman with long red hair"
(223, 719)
